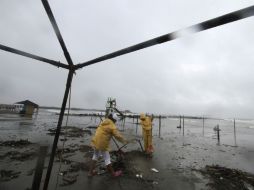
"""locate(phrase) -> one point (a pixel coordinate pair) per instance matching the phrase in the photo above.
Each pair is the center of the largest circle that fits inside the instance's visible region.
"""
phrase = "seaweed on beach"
(13, 143)
(20, 156)
(223, 178)
(70, 131)
(7, 175)
(85, 148)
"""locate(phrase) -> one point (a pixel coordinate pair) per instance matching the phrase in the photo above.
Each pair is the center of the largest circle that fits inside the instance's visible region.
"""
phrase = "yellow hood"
(105, 131)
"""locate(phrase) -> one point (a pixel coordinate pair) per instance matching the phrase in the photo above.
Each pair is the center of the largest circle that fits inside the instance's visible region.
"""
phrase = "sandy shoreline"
(178, 159)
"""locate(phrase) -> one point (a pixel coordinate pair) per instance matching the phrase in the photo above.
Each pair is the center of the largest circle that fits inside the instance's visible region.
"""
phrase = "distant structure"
(28, 107)
(11, 108)
(110, 106)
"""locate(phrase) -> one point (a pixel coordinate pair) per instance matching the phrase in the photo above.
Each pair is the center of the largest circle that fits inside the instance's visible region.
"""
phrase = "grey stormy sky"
(208, 73)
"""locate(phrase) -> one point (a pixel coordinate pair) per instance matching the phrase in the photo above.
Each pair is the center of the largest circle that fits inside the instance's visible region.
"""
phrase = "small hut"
(29, 107)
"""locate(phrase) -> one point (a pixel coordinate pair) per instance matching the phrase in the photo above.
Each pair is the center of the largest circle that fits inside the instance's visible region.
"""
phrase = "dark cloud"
(208, 73)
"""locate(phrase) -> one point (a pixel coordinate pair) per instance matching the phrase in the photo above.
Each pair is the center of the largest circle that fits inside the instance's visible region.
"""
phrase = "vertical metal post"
(203, 126)
(58, 129)
(159, 126)
(234, 132)
(218, 133)
(180, 121)
(137, 125)
(39, 168)
(183, 125)
(124, 123)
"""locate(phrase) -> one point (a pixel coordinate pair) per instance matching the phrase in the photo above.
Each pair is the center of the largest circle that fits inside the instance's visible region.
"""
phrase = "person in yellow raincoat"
(100, 143)
(146, 123)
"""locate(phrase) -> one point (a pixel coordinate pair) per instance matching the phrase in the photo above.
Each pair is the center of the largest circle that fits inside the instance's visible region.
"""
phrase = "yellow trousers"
(147, 136)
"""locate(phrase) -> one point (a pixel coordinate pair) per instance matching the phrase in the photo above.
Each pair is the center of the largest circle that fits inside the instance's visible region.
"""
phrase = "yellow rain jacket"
(146, 124)
(103, 135)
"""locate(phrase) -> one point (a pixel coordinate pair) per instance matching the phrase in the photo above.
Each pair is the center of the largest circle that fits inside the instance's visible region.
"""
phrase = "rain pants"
(105, 131)
(147, 133)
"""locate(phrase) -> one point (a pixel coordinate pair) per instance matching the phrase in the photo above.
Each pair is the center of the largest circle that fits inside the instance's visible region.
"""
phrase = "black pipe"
(36, 57)
(159, 126)
(58, 129)
(234, 132)
(124, 123)
(212, 23)
(180, 122)
(203, 126)
(183, 125)
(137, 125)
(57, 31)
(218, 133)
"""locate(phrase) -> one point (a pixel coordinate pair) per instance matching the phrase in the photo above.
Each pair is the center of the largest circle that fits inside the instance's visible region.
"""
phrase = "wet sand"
(178, 158)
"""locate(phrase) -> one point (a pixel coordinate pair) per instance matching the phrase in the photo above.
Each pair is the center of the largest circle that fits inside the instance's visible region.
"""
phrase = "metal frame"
(209, 24)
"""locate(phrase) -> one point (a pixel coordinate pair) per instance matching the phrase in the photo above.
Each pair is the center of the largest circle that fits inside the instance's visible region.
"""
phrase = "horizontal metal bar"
(221, 20)
(57, 31)
(25, 54)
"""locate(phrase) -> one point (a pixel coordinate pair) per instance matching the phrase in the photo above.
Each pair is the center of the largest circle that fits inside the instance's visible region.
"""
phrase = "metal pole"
(218, 133)
(183, 125)
(137, 126)
(39, 168)
(180, 122)
(215, 22)
(57, 31)
(124, 123)
(36, 57)
(203, 126)
(141, 145)
(58, 129)
(234, 132)
(159, 125)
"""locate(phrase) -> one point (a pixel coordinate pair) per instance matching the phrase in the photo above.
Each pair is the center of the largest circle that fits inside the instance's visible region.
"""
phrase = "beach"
(179, 161)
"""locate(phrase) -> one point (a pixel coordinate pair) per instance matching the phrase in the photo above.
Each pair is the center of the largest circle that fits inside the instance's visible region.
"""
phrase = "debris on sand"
(124, 161)
(13, 143)
(76, 166)
(30, 172)
(154, 170)
(20, 156)
(53, 132)
(69, 179)
(65, 150)
(92, 127)
(228, 179)
(70, 175)
(63, 153)
(70, 131)
(7, 175)
(85, 148)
